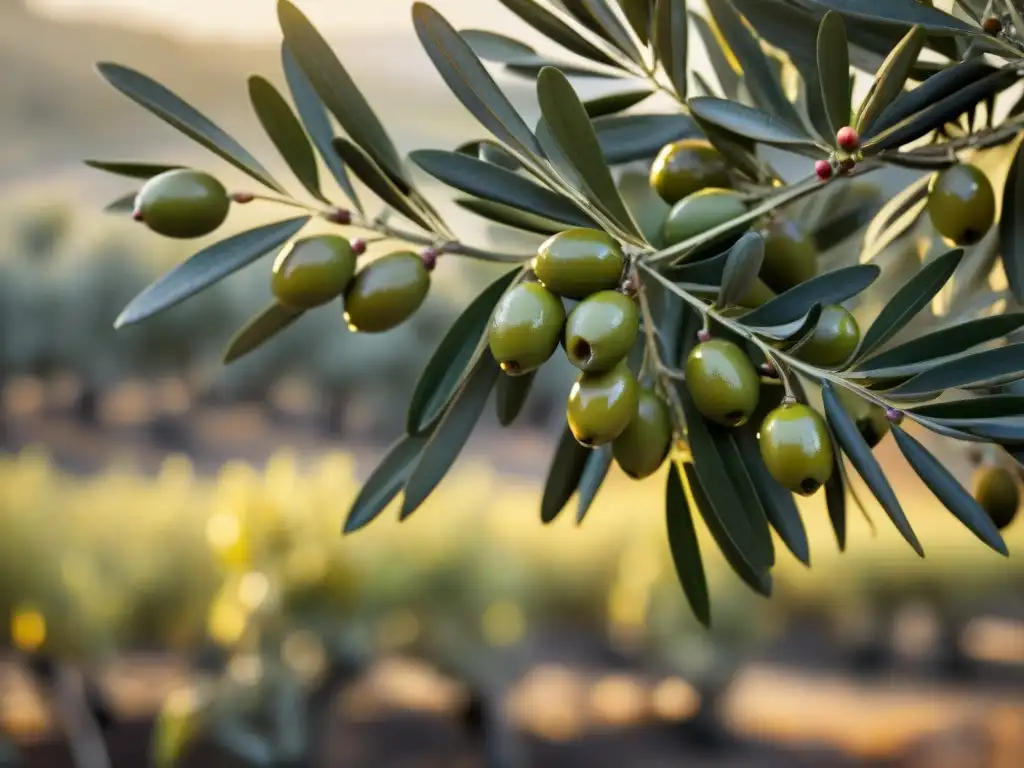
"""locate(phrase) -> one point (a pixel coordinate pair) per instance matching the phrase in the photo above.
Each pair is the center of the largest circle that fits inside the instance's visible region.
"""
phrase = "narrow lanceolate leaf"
(260, 329)
(1011, 227)
(123, 204)
(891, 78)
(594, 472)
(988, 365)
(901, 13)
(510, 396)
(639, 14)
(491, 46)
(453, 358)
(728, 77)
(451, 433)
(509, 216)
(741, 269)
(625, 138)
(615, 102)
(751, 123)
(207, 267)
(552, 27)
(685, 547)
(286, 132)
(830, 288)
(910, 299)
(987, 407)
(834, 70)
(671, 41)
(946, 488)
(565, 116)
(131, 170)
(488, 181)
(336, 89)
(469, 81)
(835, 498)
(173, 110)
(855, 447)
(379, 182)
(567, 466)
(385, 482)
(613, 30)
(793, 331)
(318, 125)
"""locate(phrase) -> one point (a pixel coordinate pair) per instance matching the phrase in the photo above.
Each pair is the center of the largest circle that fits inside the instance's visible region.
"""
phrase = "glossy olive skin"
(722, 381)
(525, 328)
(642, 448)
(834, 339)
(758, 294)
(790, 255)
(699, 212)
(313, 271)
(961, 204)
(601, 405)
(870, 419)
(995, 489)
(182, 204)
(796, 448)
(578, 262)
(601, 330)
(687, 166)
(386, 292)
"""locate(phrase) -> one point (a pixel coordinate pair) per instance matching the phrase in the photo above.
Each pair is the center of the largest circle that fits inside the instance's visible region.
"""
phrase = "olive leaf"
(594, 473)
(728, 78)
(742, 266)
(835, 496)
(173, 110)
(647, 208)
(510, 217)
(260, 328)
(895, 219)
(1011, 228)
(379, 182)
(829, 288)
(979, 367)
(793, 331)
(613, 30)
(987, 407)
(891, 78)
(510, 396)
(834, 70)
(491, 46)
(626, 138)
(131, 170)
(746, 121)
(901, 13)
(684, 545)
(286, 133)
(124, 204)
(385, 482)
(207, 267)
(639, 14)
(671, 41)
(549, 25)
(612, 103)
(567, 466)
(490, 152)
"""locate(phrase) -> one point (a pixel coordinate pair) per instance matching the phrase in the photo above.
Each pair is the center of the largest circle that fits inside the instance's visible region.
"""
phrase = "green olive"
(386, 292)
(601, 330)
(641, 449)
(833, 340)
(578, 262)
(870, 418)
(699, 212)
(313, 271)
(796, 448)
(687, 166)
(182, 203)
(790, 255)
(525, 328)
(601, 405)
(722, 381)
(758, 294)
(961, 204)
(995, 489)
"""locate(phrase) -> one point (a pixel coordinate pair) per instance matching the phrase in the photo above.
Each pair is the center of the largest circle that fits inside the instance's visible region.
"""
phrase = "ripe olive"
(386, 292)
(833, 340)
(796, 448)
(790, 255)
(686, 166)
(525, 328)
(961, 204)
(601, 330)
(182, 203)
(641, 449)
(722, 381)
(313, 271)
(870, 418)
(995, 489)
(578, 262)
(601, 405)
(758, 294)
(699, 212)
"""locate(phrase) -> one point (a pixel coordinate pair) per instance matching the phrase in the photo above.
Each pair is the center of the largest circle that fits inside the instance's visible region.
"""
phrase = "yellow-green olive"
(386, 292)
(758, 294)
(870, 418)
(961, 204)
(313, 271)
(601, 330)
(699, 212)
(687, 166)
(525, 328)
(796, 448)
(833, 340)
(642, 448)
(578, 262)
(995, 489)
(182, 204)
(722, 381)
(790, 255)
(601, 405)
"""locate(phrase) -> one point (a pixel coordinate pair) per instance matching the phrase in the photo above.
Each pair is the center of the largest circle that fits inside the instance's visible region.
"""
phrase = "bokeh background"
(170, 527)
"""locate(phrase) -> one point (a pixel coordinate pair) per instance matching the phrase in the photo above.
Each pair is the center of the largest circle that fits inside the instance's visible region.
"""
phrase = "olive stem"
(446, 246)
(289, 201)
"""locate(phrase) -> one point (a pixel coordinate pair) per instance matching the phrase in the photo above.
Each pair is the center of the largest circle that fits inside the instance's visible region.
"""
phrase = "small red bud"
(243, 197)
(992, 25)
(823, 168)
(339, 216)
(848, 139)
(137, 214)
(429, 257)
(703, 335)
(358, 246)
(894, 416)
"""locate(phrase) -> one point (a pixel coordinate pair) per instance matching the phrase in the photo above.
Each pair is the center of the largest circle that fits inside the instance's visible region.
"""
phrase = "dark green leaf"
(453, 358)
(740, 152)
(728, 78)
(565, 116)
(530, 67)
(594, 472)
(336, 89)
(843, 221)
(639, 15)
(509, 216)
(742, 266)
(123, 204)
(952, 495)
(834, 70)
(981, 366)
(385, 482)
(511, 395)
(262, 327)
(451, 433)
(286, 132)
(490, 46)
(490, 152)
(684, 545)
(567, 467)
(626, 138)
(835, 499)
(896, 218)
(891, 78)
(829, 288)
(987, 407)
(854, 446)
(170, 108)
(1005, 431)
(911, 298)
(749, 122)
(490, 182)
(555, 29)
(793, 331)
(317, 122)
(902, 13)
(671, 41)
(615, 102)
(1011, 228)
(379, 182)
(207, 267)
(559, 160)
(613, 29)
(131, 170)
